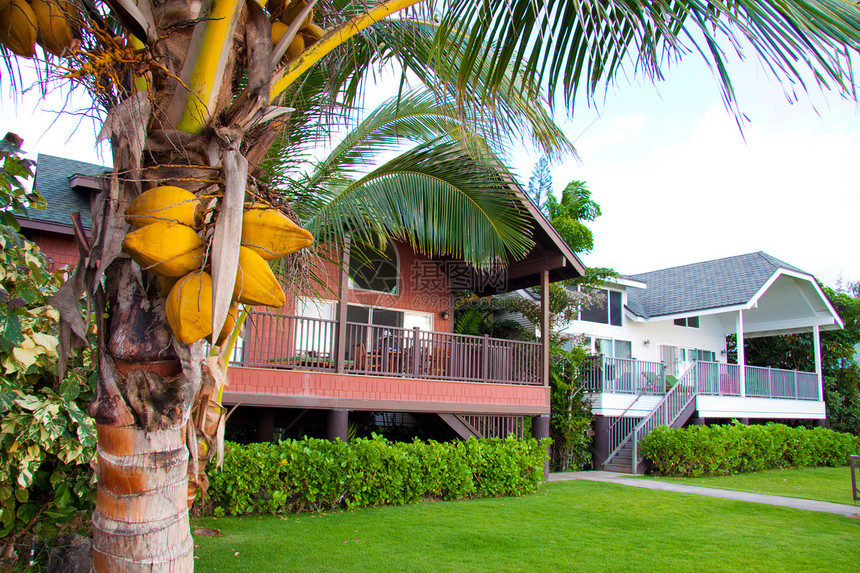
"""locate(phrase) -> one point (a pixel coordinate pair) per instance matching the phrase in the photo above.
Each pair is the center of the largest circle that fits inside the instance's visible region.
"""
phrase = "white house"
(670, 325)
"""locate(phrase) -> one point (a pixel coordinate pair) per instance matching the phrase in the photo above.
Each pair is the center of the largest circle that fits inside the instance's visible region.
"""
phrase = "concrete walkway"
(626, 479)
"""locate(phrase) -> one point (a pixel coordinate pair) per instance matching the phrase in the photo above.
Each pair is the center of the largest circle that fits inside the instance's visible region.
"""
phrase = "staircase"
(465, 426)
(468, 426)
(673, 410)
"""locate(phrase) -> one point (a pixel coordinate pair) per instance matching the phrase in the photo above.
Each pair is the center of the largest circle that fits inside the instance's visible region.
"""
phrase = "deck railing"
(622, 375)
(626, 376)
(276, 340)
(779, 383)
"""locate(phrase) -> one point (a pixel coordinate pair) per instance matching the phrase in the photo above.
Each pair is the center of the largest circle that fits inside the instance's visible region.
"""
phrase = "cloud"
(789, 190)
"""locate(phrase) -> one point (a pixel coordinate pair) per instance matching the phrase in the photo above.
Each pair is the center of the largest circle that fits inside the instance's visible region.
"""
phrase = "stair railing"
(620, 437)
(667, 410)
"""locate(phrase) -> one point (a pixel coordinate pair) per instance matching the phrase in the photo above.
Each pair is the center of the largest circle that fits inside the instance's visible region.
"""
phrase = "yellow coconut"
(296, 47)
(272, 235)
(167, 249)
(164, 204)
(229, 323)
(54, 32)
(18, 28)
(189, 307)
(314, 31)
(278, 30)
(165, 284)
(255, 282)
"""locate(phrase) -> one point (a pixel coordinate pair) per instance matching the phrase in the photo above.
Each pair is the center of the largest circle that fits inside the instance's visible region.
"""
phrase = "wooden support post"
(337, 425)
(266, 425)
(600, 445)
(342, 303)
(540, 430)
(544, 326)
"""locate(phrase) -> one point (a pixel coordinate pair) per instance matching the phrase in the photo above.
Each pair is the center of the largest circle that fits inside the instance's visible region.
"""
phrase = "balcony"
(602, 374)
(286, 342)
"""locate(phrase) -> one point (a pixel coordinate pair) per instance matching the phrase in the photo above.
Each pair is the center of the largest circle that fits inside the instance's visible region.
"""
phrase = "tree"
(196, 94)
(540, 182)
(569, 215)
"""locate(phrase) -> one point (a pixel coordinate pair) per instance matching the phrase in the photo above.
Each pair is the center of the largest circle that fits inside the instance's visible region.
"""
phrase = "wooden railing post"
(342, 304)
(416, 350)
(485, 359)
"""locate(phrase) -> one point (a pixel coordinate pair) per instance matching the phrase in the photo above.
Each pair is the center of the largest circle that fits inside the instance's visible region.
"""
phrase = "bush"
(314, 474)
(46, 438)
(725, 450)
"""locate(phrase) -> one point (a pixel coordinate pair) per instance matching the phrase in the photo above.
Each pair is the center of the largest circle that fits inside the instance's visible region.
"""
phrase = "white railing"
(717, 379)
(666, 411)
(622, 375)
(778, 383)
(620, 429)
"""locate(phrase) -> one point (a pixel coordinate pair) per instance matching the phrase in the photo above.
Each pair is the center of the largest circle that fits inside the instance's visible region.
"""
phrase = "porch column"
(266, 425)
(739, 329)
(540, 430)
(342, 302)
(816, 343)
(337, 425)
(600, 445)
(544, 327)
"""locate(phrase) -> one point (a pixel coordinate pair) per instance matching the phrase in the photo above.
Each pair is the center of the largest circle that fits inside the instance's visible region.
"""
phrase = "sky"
(678, 181)
(676, 178)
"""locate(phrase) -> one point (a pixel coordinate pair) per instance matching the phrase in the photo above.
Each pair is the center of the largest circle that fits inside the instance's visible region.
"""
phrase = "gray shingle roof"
(52, 181)
(702, 286)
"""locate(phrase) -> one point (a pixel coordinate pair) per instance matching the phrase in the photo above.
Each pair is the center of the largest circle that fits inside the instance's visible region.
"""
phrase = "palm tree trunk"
(141, 519)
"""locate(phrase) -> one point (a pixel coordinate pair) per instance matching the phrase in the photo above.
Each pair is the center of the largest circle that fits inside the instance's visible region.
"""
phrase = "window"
(380, 317)
(706, 356)
(603, 311)
(690, 322)
(613, 348)
(374, 269)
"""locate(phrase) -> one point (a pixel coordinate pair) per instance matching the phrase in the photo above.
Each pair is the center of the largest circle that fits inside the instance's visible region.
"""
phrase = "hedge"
(724, 450)
(314, 474)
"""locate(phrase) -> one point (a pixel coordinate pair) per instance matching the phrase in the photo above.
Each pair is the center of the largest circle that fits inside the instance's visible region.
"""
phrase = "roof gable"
(703, 286)
(52, 182)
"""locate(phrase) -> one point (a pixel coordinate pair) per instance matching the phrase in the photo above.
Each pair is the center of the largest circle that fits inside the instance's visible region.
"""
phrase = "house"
(377, 344)
(659, 352)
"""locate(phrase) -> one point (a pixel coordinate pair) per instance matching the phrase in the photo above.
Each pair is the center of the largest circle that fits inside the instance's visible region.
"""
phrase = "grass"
(566, 526)
(822, 484)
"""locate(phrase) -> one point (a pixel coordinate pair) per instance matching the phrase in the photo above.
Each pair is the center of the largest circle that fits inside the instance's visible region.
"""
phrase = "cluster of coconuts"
(282, 14)
(24, 23)
(167, 243)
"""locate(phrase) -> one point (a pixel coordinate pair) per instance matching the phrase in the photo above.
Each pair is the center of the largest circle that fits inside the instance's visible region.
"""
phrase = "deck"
(629, 387)
(301, 362)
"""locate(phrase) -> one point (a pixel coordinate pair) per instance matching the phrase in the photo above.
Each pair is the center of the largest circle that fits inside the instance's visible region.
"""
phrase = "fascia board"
(704, 312)
(800, 276)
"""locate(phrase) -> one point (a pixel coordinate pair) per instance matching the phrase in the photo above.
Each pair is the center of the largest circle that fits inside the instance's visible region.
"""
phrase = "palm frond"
(438, 197)
(573, 44)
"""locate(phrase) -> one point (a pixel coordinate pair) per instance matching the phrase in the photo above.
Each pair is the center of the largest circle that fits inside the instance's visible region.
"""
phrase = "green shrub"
(736, 448)
(46, 438)
(313, 474)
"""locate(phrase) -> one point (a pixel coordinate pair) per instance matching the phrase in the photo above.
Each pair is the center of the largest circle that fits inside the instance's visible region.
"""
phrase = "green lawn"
(566, 526)
(823, 484)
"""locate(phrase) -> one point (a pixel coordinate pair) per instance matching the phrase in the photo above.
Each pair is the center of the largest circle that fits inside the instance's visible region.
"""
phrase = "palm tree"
(196, 94)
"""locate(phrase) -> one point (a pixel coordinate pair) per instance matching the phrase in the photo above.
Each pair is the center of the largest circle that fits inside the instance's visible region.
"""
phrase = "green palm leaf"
(573, 44)
(439, 197)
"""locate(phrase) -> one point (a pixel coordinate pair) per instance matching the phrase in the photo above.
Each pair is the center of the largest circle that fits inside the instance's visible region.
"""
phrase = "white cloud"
(787, 190)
